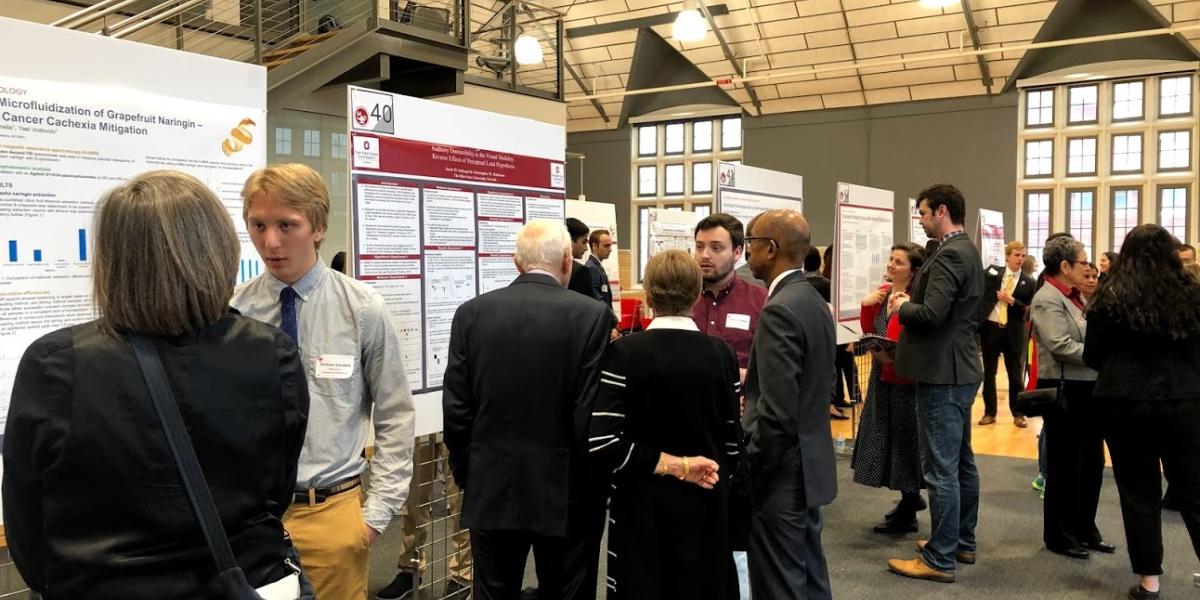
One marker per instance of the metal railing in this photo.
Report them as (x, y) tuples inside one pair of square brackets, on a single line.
[(241, 30), (272, 32), (496, 61)]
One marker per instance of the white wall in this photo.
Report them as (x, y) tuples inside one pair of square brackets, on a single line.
[(509, 103)]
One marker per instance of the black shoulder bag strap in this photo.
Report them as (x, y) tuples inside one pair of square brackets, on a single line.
[(229, 575)]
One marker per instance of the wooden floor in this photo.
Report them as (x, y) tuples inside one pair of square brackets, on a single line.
[(1001, 438)]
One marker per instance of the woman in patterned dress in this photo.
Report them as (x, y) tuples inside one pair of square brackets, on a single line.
[(887, 452)]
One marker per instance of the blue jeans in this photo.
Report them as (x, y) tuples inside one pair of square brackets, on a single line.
[(944, 420)]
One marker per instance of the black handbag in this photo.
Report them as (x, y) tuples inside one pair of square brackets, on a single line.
[(1040, 402), (230, 577)]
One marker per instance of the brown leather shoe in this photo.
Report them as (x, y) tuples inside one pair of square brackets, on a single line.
[(987, 420), (962, 556), (1020, 422), (917, 569)]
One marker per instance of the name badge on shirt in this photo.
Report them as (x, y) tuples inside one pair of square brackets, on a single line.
[(335, 366), (736, 321)]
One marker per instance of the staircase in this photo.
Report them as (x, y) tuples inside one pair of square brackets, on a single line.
[(306, 45), (292, 47)]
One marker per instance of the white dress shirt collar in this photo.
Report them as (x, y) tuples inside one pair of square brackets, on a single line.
[(775, 282), (676, 322)]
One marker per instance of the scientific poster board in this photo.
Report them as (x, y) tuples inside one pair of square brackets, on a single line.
[(77, 121), (862, 243), (916, 233), (671, 229), (602, 215), (437, 194), (990, 236), (744, 192)]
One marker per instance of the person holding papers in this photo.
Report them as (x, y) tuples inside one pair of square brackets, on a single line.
[(887, 452)]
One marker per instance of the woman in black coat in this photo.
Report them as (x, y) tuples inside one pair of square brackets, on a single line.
[(1143, 337), (664, 425), (94, 505)]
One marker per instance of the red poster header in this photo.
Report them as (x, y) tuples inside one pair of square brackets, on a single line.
[(408, 157)]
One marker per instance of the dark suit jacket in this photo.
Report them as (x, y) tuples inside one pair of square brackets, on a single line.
[(993, 278), (600, 289), (523, 373), (93, 503), (938, 344), (788, 386), (581, 280)]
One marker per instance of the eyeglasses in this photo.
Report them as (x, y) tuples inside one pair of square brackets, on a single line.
[(752, 238)]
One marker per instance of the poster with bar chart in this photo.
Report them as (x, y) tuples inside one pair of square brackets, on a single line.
[(77, 122)]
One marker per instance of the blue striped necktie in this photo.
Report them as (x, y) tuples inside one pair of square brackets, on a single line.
[(287, 302)]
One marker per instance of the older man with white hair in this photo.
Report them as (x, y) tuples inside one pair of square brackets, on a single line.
[(523, 372)]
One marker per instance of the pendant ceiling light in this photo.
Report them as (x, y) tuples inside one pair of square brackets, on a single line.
[(528, 50), (689, 26)]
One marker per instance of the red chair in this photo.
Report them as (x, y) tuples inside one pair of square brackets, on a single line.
[(631, 316)]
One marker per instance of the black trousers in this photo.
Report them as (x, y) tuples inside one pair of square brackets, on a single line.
[(786, 559), (1075, 469), (566, 566), (847, 370), (1140, 434), (995, 342)]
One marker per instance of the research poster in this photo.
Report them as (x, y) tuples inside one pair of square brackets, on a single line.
[(437, 195), (78, 121), (744, 192), (916, 233), (862, 244), (990, 235), (671, 229)]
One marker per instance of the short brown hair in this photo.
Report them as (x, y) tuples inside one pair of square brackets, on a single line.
[(672, 283), (1013, 246), (728, 222), (166, 255), (594, 238), (297, 185)]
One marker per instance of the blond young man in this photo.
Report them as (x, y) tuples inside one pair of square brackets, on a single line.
[(351, 355), (1007, 294)]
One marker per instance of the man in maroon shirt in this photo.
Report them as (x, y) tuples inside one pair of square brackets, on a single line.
[(728, 307)]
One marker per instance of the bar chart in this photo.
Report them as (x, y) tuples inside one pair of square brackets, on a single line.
[(249, 268), (79, 253)]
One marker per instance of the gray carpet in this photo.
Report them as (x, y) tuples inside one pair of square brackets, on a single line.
[(1012, 562)]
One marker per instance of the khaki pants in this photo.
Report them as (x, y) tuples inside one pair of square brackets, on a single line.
[(415, 518), (333, 550)]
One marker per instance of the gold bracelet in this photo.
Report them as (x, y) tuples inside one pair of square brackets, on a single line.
[(686, 469)]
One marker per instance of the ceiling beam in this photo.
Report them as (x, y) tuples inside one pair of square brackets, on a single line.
[(579, 81), (862, 87), (984, 72), (663, 19), (571, 69), (712, 23)]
